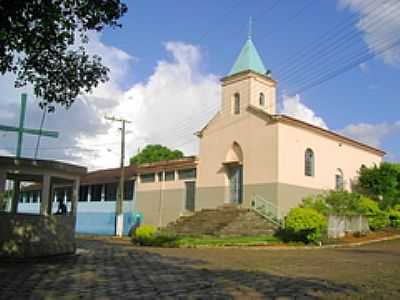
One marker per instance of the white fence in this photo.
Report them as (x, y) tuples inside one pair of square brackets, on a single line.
[(339, 226)]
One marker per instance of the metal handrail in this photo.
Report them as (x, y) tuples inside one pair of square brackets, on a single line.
[(266, 209)]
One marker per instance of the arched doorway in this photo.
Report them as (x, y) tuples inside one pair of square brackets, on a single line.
[(234, 170)]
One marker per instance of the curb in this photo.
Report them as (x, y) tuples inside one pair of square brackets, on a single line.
[(333, 246), (271, 246)]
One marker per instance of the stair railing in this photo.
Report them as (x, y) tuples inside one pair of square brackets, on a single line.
[(266, 209)]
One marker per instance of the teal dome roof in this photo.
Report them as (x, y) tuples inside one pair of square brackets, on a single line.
[(248, 59)]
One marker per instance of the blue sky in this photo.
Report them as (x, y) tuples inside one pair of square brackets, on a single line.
[(279, 31), (199, 41)]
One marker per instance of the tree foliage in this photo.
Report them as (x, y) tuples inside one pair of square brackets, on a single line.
[(346, 203), (155, 153), (394, 216), (382, 183), (39, 43), (333, 202)]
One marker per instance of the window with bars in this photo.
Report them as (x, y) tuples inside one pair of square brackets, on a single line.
[(169, 175), (83, 193), (111, 191), (129, 190), (96, 192), (146, 178), (309, 163), (187, 174)]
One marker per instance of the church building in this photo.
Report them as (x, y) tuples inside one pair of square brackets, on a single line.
[(250, 153)]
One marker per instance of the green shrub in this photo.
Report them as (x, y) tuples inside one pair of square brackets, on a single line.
[(394, 216), (147, 235), (145, 231), (305, 224), (144, 234), (367, 206), (318, 203), (334, 202), (342, 202), (379, 221)]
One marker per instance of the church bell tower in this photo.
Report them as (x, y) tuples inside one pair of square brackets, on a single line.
[(248, 83)]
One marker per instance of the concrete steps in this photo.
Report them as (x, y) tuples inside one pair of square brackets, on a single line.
[(227, 220)]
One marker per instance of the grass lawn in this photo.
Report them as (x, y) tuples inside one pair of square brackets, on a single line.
[(173, 241), (227, 241)]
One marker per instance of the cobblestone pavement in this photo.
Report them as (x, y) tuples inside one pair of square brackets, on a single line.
[(104, 270)]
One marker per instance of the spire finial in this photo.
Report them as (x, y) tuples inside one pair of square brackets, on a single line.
[(250, 28)]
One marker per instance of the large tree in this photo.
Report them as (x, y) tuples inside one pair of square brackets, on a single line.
[(42, 42), (154, 153), (381, 183)]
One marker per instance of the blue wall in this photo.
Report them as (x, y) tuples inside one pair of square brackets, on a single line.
[(92, 217)]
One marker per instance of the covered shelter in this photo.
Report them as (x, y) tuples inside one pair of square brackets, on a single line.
[(49, 231)]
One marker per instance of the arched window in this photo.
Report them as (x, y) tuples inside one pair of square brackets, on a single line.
[(309, 161), (339, 180), (262, 99), (236, 104)]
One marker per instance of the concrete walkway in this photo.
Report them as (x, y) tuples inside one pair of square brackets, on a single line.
[(104, 270)]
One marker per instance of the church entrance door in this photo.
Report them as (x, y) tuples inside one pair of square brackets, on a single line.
[(190, 195), (236, 184)]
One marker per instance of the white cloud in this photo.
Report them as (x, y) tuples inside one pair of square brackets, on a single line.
[(380, 23), (166, 108), (84, 118), (371, 134), (292, 106)]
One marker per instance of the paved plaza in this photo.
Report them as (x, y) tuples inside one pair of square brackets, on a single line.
[(105, 269)]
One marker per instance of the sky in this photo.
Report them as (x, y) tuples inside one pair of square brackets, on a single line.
[(337, 64)]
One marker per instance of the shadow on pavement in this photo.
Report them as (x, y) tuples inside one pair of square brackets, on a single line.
[(113, 272)]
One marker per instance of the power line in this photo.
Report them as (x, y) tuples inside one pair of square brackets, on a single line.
[(310, 55), (344, 42), (344, 59), (287, 62), (348, 67)]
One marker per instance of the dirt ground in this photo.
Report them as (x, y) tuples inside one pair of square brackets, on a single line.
[(370, 272)]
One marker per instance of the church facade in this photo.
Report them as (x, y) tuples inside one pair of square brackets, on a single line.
[(248, 151)]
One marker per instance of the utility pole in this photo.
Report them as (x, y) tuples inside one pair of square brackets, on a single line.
[(119, 214)]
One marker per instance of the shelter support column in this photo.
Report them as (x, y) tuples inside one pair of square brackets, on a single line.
[(15, 197), (45, 205), (75, 196), (3, 178)]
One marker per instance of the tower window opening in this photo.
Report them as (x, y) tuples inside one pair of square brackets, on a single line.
[(236, 104), (262, 99)]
